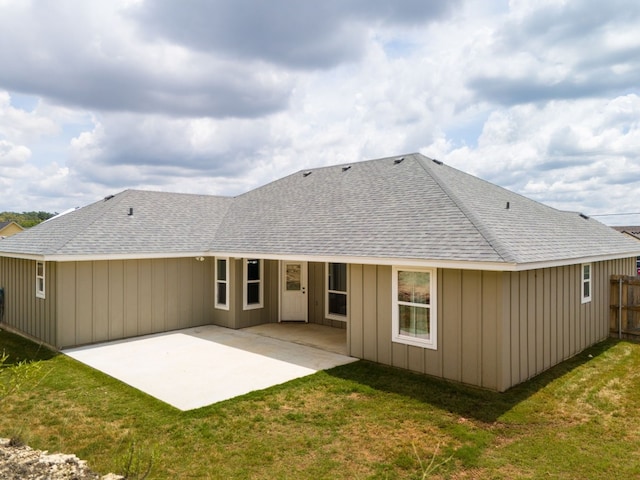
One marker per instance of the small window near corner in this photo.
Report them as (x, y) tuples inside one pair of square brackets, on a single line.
[(222, 283), (586, 282), (40, 279)]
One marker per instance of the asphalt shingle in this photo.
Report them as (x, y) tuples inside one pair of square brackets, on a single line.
[(416, 208)]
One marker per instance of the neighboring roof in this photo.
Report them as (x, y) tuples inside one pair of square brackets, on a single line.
[(4, 225), (9, 228), (631, 231), (409, 207)]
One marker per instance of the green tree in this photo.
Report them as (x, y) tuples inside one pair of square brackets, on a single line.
[(26, 219)]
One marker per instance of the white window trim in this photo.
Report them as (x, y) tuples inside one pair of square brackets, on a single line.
[(222, 306), (587, 298), (334, 316), (245, 282), (396, 337), (40, 292)]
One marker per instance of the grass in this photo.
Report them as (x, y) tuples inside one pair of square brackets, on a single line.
[(578, 420)]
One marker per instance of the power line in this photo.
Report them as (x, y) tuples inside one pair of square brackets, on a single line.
[(614, 214)]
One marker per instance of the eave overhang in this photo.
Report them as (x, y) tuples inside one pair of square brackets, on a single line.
[(415, 262)]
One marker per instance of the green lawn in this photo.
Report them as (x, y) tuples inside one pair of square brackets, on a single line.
[(578, 420)]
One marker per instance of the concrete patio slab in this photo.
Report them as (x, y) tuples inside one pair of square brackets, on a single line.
[(200, 366)]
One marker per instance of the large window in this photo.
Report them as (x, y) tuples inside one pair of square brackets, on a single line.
[(40, 280), (252, 289), (586, 282), (336, 304), (414, 309), (222, 283)]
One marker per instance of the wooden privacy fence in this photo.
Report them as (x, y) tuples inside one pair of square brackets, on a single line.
[(624, 320)]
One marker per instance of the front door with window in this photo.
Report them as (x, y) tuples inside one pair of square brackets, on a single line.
[(293, 298)]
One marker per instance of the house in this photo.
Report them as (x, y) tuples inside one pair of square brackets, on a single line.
[(9, 228), (427, 268), (633, 232)]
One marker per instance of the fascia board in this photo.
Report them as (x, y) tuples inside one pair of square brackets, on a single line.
[(390, 261), (575, 261), (419, 262), (123, 256), (22, 256), (405, 262)]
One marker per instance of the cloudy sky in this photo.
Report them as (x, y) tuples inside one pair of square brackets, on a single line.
[(220, 96)]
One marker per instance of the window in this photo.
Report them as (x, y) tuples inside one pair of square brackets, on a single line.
[(252, 291), (40, 279), (222, 282), (414, 307), (336, 303), (586, 282)]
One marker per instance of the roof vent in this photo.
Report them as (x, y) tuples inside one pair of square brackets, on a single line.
[(306, 174), (398, 160), (108, 197), (508, 205), (344, 169), (584, 216), (130, 211), (437, 162)]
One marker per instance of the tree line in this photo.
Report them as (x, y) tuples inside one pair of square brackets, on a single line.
[(26, 219)]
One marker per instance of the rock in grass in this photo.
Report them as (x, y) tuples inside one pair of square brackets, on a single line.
[(21, 462)]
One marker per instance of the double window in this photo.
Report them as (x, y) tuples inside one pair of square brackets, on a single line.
[(586, 282), (40, 279), (414, 309), (222, 283), (252, 285), (336, 302)]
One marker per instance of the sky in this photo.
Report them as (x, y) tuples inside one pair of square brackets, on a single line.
[(221, 96)]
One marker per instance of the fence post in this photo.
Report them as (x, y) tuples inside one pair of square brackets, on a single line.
[(620, 308)]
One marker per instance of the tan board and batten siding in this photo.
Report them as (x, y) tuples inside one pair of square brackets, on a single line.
[(127, 298), (495, 329), (24, 312)]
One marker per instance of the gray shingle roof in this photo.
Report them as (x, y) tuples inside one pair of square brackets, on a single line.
[(373, 209), (414, 209), (161, 223)]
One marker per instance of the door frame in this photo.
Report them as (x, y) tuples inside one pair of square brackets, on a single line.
[(281, 290)]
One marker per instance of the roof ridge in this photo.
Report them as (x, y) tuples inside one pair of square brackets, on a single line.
[(496, 245), (183, 194)]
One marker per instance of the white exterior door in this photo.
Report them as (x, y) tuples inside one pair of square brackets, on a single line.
[(293, 287)]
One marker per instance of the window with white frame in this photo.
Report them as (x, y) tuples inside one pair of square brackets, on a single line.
[(40, 279), (586, 282), (336, 301), (414, 307), (222, 283), (252, 288)]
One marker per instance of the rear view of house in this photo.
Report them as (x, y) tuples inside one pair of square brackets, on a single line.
[(423, 266)]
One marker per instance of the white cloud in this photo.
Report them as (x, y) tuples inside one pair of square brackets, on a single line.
[(13, 155), (540, 97), (562, 153), (17, 125)]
